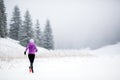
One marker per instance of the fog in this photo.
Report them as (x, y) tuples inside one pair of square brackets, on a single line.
[(76, 24)]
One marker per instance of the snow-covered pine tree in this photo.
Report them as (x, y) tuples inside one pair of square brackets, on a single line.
[(2, 34), (48, 42), (16, 23), (3, 20), (26, 31), (22, 36), (38, 34)]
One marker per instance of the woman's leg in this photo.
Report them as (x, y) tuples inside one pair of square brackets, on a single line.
[(31, 59)]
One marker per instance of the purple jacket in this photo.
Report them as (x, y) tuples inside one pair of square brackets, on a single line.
[(31, 47)]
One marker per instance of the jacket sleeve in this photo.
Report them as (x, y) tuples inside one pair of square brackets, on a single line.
[(36, 49)]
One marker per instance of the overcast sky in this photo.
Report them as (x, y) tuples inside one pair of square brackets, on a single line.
[(75, 23)]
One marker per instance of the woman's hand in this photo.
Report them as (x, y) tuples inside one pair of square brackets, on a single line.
[(25, 53)]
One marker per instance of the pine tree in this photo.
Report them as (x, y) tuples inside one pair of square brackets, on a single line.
[(2, 34), (38, 34), (16, 23), (3, 24), (48, 42), (26, 32)]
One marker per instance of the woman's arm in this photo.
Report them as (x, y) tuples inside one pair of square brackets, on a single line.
[(36, 48), (27, 48)]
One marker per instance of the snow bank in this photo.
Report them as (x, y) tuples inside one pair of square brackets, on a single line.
[(10, 48), (110, 49), (67, 53)]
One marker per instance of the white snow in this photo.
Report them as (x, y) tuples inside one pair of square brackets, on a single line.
[(100, 64), (10, 48), (110, 49)]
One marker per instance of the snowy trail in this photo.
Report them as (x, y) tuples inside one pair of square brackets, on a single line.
[(66, 68), (100, 64)]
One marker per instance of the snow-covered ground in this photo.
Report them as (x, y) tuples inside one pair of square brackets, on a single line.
[(100, 64), (11, 49)]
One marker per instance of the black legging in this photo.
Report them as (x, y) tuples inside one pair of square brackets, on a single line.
[(31, 59)]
